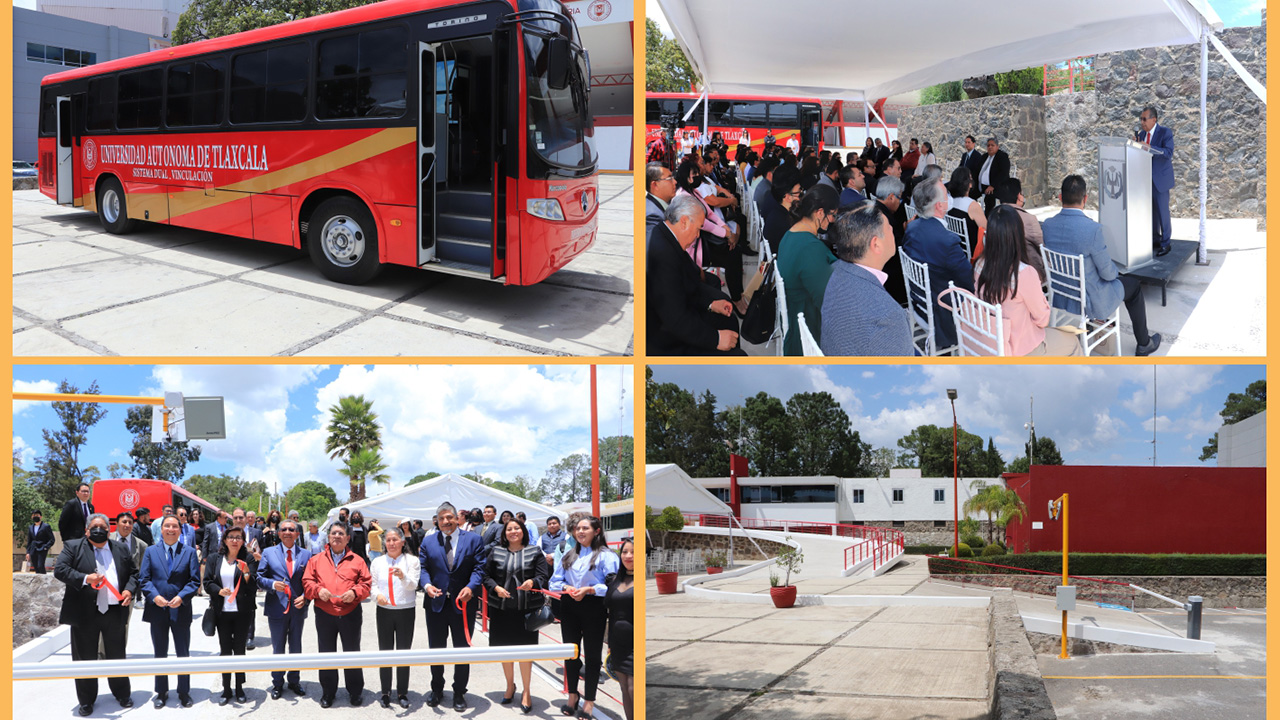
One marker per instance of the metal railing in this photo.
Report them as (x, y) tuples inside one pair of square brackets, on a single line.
[(1075, 75), (878, 543)]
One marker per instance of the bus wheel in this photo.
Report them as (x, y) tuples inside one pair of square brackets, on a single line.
[(343, 241), (112, 210)]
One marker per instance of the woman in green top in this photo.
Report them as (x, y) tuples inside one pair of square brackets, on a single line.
[(805, 263)]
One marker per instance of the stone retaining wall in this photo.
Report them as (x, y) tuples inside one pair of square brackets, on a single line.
[(26, 183), (1217, 591), (1167, 78), (1018, 690), (922, 532), (37, 599), (743, 549)]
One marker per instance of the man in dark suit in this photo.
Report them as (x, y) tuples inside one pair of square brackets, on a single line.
[(858, 316), (452, 561), (929, 241), (169, 579), (853, 184), (488, 530), (882, 151), (73, 520), (39, 540), (973, 158), (101, 580), (993, 173), (1160, 139), (280, 574), (142, 528), (124, 534), (660, 187), (213, 535), (686, 316)]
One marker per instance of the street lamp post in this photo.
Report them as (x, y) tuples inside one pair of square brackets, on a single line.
[(955, 467)]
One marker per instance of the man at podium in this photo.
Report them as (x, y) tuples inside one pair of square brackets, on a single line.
[(1160, 139)]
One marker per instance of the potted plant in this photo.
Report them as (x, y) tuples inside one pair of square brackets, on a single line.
[(715, 560), (671, 520), (784, 593)]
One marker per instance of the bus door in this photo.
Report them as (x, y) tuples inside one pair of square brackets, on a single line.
[(428, 169), (65, 155), (811, 124)]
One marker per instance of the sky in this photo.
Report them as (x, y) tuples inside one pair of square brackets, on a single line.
[(1097, 414), (498, 420)]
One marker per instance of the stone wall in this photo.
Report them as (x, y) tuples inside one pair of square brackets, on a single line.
[(743, 549), (1167, 78), (1217, 591), (37, 599), (922, 532)]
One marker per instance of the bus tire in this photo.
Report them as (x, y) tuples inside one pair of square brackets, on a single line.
[(113, 208), (343, 241)]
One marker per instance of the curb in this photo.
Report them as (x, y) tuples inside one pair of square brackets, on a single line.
[(1018, 689)]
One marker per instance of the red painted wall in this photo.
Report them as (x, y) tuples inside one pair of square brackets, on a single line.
[(1143, 509)]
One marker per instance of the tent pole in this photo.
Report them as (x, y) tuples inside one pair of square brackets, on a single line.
[(1202, 253)]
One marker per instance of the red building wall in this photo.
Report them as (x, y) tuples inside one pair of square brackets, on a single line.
[(1143, 509)]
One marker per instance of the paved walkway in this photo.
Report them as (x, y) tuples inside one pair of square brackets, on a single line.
[(38, 697), (171, 291), (1219, 309)]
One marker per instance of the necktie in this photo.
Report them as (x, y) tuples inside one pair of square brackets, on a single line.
[(85, 509), (288, 559), (448, 552), (171, 559), (1148, 140), (102, 593)]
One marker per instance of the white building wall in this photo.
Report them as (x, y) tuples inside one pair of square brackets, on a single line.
[(153, 17), (811, 512), (1244, 444)]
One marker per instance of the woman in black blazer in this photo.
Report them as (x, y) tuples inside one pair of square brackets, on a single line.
[(229, 578), (512, 570)]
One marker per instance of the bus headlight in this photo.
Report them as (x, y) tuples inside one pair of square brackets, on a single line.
[(548, 209)]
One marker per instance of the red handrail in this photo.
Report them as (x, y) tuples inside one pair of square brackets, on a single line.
[(877, 543)]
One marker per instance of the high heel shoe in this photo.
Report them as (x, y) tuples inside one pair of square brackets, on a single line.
[(526, 709), (570, 710), (509, 696)]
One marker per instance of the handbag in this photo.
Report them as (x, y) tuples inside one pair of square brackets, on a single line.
[(535, 620), (209, 623), (762, 312)]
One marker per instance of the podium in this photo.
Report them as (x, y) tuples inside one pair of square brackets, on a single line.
[(1124, 200)]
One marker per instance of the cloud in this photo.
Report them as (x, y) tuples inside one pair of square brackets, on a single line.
[(867, 374), (26, 454), (39, 386), (1170, 387)]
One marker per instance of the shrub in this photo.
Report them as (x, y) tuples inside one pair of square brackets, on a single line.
[(965, 551), (1103, 564), (973, 541), (992, 549)]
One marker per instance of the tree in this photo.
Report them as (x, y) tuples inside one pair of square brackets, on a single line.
[(26, 499), (569, 480), (423, 478), (312, 499), (995, 463), (930, 448), (988, 500), (684, 430), (58, 471), (880, 461), (823, 443), (205, 19), (1046, 454), (617, 467), (666, 68), (1027, 81), (1239, 406), (157, 461), (223, 490), (759, 431), (942, 93), (353, 426), (363, 466)]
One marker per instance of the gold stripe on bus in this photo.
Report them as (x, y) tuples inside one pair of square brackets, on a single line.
[(187, 200)]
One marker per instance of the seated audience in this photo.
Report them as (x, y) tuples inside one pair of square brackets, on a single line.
[(929, 241), (783, 197), (1010, 193), (804, 262), (858, 316), (660, 187)]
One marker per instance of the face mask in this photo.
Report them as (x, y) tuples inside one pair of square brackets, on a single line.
[(35, 518), (98, 534)]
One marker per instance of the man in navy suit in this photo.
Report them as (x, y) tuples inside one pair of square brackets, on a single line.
[(280, 574), (929, 241), (170, 577), (39, 540), (452, 560), (75, 514), (859, 317), (1074, 233), (660, 187), (95, 613), (1160, 139)]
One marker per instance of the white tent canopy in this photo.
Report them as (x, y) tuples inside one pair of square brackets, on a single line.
[(669, 485), (802, 48), (419, 502)]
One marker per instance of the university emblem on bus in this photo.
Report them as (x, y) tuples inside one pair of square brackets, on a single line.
[(90, 154), (129, 498), (599, 10), (1114, 182)]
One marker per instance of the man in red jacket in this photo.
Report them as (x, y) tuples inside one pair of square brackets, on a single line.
[(338, 580)]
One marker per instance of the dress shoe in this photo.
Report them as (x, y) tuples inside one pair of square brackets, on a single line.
[(357, 700), (746, 250), (385, 701), (1164, 251), (434, 698), (125, 702), (404, 701), (1153, 343), (276, 692), (460, 702), (85, 710), (249, 645), (160, 700), (184, 699), (240, 696), (225, 699), (296, 688), (507, 699), (326, 702), (526, 709)]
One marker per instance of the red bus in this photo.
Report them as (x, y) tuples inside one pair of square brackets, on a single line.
[(452, 136), (116, 495), (746, 119)]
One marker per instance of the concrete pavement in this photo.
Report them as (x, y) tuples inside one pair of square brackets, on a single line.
[(38, 697), (171, 291)]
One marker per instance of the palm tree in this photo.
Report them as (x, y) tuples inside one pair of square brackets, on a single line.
[(353, 426), (987, 500), (364, 465), (1011, 508)]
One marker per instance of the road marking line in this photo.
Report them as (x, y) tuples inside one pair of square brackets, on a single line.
[(1155, 677)]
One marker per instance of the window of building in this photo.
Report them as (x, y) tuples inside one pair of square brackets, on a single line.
[(138, 99), (859, 496), (898, 494), (362, 75), (940, 523), (721, 493), (899, 523), (788, 494), (270, 85), (53, 55), (195, 93), (939, 495)]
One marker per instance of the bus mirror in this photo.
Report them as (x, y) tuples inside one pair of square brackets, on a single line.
[(559, 61)]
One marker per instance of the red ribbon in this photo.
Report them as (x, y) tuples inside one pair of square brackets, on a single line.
[(466, 629), (110, 587), (391, 589)]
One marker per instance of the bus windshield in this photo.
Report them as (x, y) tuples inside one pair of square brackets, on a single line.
[(561, 129)]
